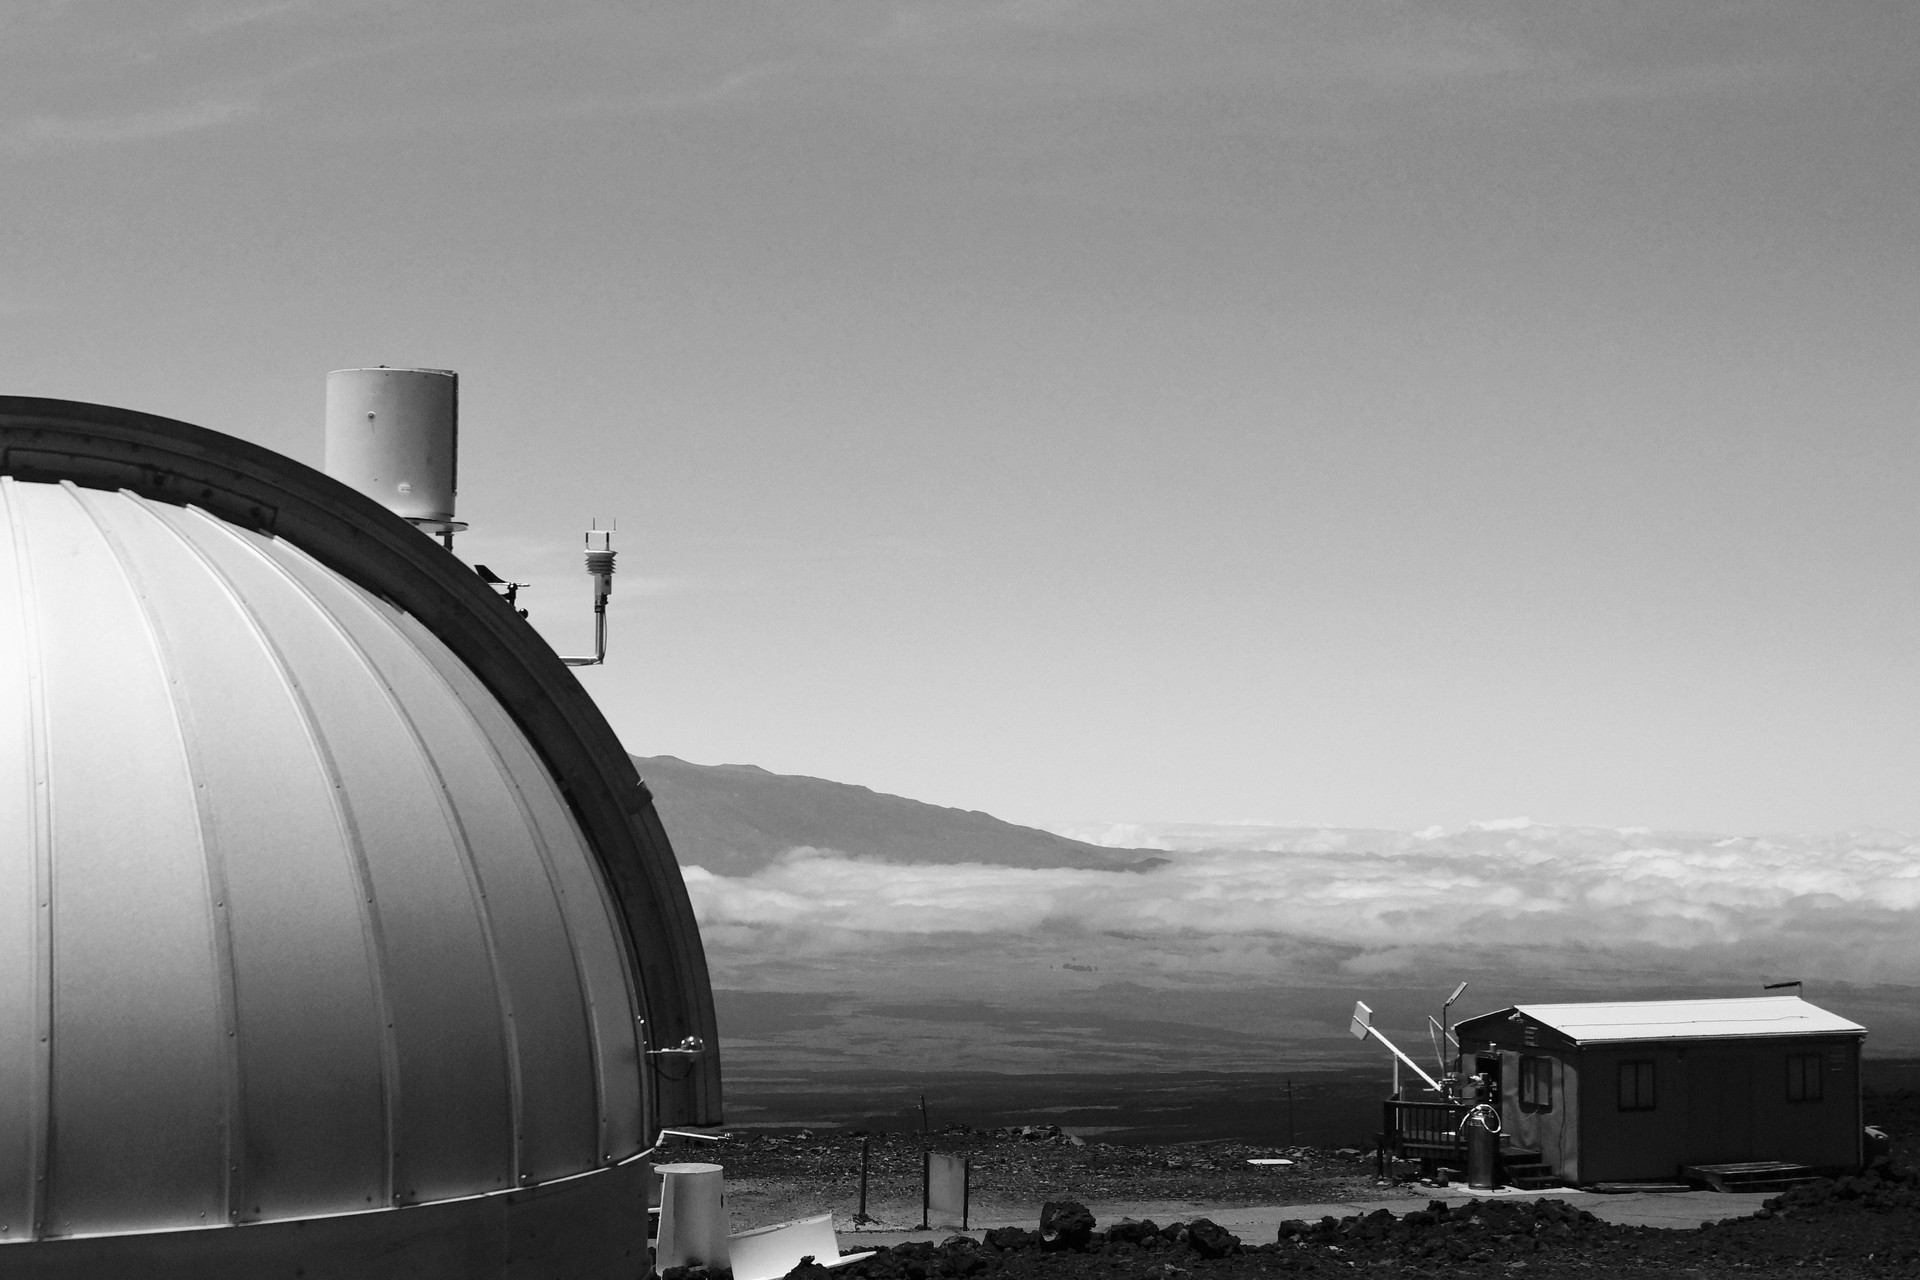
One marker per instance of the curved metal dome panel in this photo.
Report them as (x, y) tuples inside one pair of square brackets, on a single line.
[(297, 922)]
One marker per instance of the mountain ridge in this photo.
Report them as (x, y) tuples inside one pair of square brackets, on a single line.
[(734, 819)]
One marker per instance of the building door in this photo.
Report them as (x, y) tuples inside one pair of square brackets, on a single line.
[(1719, 1107), (1488, 1065)]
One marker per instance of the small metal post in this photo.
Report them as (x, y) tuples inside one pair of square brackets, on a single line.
[(926, 1167), (866, 1153), (966, 1191)]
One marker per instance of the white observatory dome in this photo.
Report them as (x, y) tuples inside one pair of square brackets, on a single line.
[(338, 937), (296, 922)]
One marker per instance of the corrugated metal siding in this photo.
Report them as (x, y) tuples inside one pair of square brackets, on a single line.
[(321, 933)]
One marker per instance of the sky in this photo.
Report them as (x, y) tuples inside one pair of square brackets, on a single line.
[(1360, 413)]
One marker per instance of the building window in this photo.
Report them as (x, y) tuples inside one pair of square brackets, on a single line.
[(1536, 1084), (1636, 1086), (1803, 1077)]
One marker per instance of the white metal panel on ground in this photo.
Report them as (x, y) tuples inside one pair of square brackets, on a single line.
[(325, 934), (1689, 1019)]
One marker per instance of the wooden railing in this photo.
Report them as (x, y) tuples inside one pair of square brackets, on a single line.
[(1422, 1127)]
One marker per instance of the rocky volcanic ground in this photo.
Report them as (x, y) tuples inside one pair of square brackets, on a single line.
[(771, 1178), (1865, 1226)]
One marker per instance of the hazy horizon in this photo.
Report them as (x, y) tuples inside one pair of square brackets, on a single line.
[(962, 949)]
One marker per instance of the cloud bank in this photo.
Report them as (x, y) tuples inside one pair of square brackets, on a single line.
[(1325, 902), (43, 134)]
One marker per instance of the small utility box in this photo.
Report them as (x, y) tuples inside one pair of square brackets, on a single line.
[(946, 1186)]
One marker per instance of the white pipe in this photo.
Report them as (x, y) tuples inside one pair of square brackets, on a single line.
[(1431, 1082)]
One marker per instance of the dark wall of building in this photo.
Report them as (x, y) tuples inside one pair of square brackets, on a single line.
[(1717, 1102), (1819, 1127), (1623, 1145)]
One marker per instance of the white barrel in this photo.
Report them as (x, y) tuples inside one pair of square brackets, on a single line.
[(393, 434), (693, 1217)]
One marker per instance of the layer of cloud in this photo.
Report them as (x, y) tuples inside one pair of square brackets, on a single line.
[(43, 134), (1846, 907)]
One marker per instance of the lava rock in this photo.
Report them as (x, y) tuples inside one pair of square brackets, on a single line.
[(1130, 1232), (1065, 1224), (1878, 1190), (1210, 1240), (1012, 1238)]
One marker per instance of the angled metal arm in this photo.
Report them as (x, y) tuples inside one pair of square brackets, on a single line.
[(1362, 1027)]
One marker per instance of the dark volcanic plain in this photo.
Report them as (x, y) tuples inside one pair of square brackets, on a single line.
[(1864, 1226)]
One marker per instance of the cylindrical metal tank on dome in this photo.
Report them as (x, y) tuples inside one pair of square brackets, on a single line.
[(337, 936), (394, 434)]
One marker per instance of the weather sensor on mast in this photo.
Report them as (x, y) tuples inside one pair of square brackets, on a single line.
[(600, 566), (394, 434)]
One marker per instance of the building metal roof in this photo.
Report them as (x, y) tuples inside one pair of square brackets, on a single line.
[(1743, 1016)]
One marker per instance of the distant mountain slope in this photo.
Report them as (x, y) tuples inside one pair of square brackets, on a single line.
[(733, 819)]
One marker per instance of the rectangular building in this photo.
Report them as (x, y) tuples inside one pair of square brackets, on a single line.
[(1634, 1090)]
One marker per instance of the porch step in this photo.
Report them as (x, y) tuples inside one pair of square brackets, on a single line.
[(1529, 1175), (1750, 1175)]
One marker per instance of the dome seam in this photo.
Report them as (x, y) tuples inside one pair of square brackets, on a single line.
[(41, 1120), (212, 858), (373, 931), (562, 900), (456, 827)]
